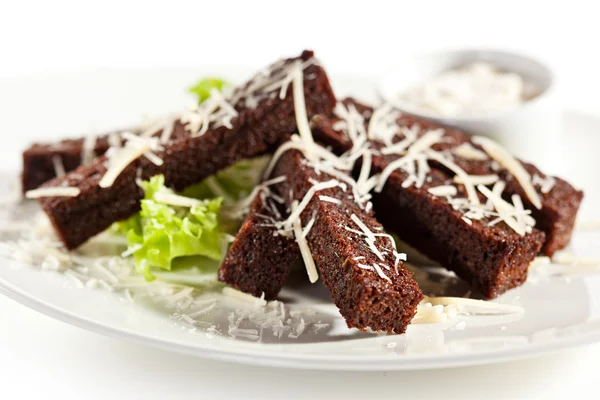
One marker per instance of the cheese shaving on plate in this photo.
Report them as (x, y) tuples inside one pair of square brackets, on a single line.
[(244, 297)]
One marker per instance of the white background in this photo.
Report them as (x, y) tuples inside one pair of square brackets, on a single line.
[(42, 358)]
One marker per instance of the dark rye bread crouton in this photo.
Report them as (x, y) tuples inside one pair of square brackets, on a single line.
[(366, 299), (492, 258), (257, 129), (39, 159), (259, 259), (560, 201)]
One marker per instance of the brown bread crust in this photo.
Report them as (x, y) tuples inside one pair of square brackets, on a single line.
[(38, 160), (259, 260), (560, 205), (492, 258), (187, 160), (365, 299)]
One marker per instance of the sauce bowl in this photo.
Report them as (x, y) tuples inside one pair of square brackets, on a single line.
[(531, 130)]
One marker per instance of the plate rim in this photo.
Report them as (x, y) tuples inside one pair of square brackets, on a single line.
[(252, 355), (297, 360)]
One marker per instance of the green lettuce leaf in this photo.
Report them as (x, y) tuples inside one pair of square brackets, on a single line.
[(233, 183), (202, 88), (160, 234)]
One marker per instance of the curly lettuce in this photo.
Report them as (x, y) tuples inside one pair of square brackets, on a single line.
[(163, 235), (203, 88), (233, 183)]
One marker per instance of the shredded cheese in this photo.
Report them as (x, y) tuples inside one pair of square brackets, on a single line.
[(467, 151), (59, 168), (426, 141), (87, 151), (119, 162), (374, 249), (479, 179), (243, 297), (381, 273), (114, 140), (330, 199), (546, 184), (176, 200), (295, 215), (307, 257), (307, 150), (471, 193), (167, 132), (446, 190), (368, 233), (309, 226), (154, 159), (53, 192), (300, 105), (504, 210), (365, 169), (513, 166)]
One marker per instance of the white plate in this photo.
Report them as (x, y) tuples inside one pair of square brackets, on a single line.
[(560, 311)]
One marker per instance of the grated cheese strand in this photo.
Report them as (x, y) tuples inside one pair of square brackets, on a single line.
[(504, 211), (87, 153), (479, 179), (370, 235), (330, 199), (445, 190), (295, 215), (426, 141), (309, 226), (153, 158), (59, 167), (306, 149), (167, 132), (381, 273), (389, 169), (365, 170), (119, 162), (471, 193), (307, 257), (172, 199), (53, 192), (300, 105), (504, 158), (546, 184), (243, 297), (466, 150), (374, 249), (114, 140)]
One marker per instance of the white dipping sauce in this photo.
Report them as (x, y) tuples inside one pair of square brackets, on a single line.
[(475, 89)]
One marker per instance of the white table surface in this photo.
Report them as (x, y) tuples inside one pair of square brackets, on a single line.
[(44, 358)]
